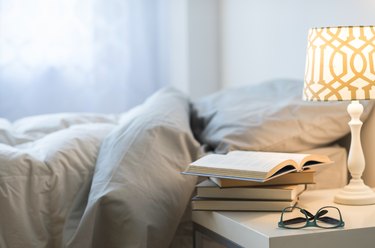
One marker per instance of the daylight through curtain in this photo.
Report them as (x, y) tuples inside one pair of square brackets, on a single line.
[(78, 55)]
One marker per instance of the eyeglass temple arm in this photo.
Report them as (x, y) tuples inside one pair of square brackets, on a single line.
[(299, 219), (311, 217)]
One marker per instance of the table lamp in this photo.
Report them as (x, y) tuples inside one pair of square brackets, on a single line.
[(340, 65)]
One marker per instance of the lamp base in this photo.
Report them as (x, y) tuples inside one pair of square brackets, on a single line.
[(355, 193)]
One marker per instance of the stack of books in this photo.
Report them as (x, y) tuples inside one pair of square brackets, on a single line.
[(252, 181)]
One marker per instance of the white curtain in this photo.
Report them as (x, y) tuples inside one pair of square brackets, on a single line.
[(79, 55)]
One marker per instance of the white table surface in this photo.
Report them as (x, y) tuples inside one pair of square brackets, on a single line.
[(259, 229)]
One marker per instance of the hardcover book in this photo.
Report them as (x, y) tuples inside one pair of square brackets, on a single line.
[(256, 166), (208, 189), (303, 177), (239, 205)]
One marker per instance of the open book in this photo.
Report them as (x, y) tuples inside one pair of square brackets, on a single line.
[(254, 166)]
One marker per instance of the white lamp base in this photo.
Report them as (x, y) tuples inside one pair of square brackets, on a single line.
[(355, 193)]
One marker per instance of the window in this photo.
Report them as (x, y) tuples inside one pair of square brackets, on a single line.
[(78, 55)]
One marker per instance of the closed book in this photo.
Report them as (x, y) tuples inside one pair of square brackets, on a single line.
[(303, 177), (208, 189), (251, 165), (240, 205)]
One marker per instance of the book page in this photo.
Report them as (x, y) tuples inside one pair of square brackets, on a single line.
[(274, 158), (245, 161)]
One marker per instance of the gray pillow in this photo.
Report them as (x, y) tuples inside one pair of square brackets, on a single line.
[(270, 117), (138, 194)]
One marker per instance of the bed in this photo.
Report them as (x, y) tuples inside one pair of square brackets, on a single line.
[(114, 180)]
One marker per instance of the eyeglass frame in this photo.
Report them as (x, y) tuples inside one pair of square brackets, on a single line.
[(310, 223)]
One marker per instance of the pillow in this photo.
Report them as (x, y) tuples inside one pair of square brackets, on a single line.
[(269, 117), (138, 194)]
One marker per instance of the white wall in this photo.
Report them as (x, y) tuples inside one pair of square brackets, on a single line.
[(194, 46), (177, 35), (204, 46), (215, 44), (265, 39)]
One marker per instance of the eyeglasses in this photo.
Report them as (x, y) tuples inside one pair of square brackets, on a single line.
[(326, 217)]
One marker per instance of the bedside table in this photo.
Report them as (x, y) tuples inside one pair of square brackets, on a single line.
[(260, 230)]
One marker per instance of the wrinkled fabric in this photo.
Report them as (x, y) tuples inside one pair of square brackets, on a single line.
[(270, 116), (138, 194), (91, 180), (40, 179)]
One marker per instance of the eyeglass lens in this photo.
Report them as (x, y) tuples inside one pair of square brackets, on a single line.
[(328, 217), (294, 219)]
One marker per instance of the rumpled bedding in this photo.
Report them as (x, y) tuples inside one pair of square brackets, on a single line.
[(107, 181), (90, 180)]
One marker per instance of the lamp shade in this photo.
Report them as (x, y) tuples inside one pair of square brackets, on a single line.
[(340, 64)]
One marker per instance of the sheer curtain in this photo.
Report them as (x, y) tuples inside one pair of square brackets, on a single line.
[(79, 55)]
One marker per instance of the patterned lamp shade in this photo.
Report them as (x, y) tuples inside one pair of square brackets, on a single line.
[(340, 64)]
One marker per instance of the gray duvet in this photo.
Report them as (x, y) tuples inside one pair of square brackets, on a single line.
[(81, 180)]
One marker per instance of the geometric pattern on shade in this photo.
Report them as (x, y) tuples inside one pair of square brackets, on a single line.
[(340, 64)]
